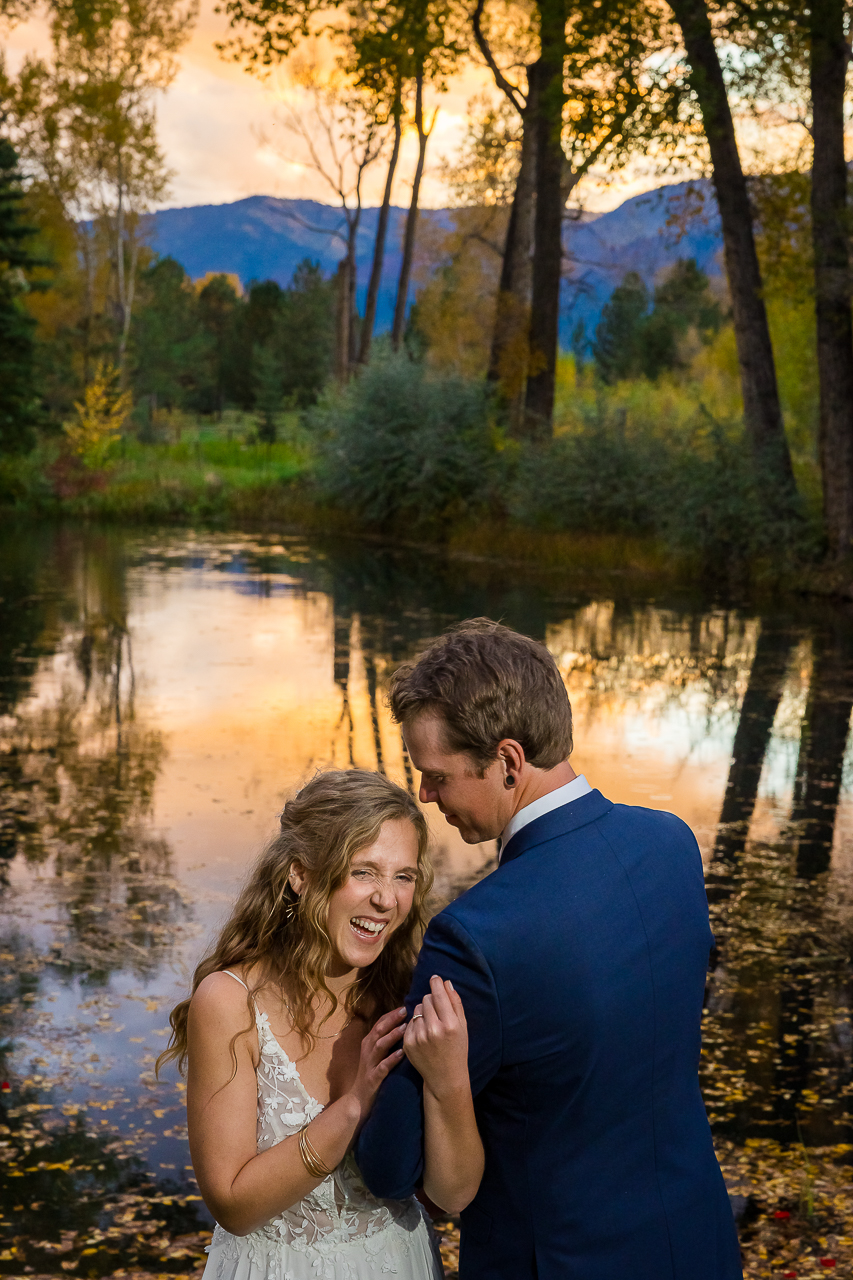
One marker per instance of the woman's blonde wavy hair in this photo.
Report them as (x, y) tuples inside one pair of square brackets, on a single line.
[(280, 936)]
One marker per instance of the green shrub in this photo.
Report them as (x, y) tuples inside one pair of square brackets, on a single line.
[(695, 488), (402, 443)]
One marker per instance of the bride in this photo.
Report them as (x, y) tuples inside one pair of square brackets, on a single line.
[(295, 1020)]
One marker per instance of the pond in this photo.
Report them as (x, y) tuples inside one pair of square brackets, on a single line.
[(160, 697)]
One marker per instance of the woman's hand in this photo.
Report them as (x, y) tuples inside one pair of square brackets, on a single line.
[(436, 1040), (377, 1058)]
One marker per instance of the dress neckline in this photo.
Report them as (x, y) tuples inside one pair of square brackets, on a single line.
[(263, 1022)]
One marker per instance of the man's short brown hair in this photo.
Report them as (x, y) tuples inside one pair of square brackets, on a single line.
[(488, 682)]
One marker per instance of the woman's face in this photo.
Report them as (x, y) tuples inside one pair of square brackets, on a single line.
[(376, 897)]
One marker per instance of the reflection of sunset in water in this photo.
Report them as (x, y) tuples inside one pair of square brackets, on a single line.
[(160, 698)]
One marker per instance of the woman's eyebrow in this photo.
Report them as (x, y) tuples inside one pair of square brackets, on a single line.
[(374, 866)]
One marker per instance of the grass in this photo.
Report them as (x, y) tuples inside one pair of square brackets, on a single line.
[(641, 477), (208, 475)]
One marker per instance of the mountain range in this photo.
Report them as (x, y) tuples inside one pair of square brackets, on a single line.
[(266, 237)]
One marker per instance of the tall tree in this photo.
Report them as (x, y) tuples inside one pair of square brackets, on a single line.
[(829, 59), (762, 408), (377, 264), (405, 43), (549, 95), (84, 123), (603, 73), (341, 136), (18, 396), (794, 75), (412, 214)]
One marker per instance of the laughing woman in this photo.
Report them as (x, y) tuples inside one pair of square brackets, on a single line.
[(295, 1020)]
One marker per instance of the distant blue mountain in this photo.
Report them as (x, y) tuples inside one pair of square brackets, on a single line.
[(265, 238), (646, 234)]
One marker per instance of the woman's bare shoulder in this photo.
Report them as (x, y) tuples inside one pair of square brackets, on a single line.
[(218, 998)]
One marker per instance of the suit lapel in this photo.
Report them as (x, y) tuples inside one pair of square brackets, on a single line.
[(569, 817)]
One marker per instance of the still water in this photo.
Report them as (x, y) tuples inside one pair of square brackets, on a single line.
[(161, 696)]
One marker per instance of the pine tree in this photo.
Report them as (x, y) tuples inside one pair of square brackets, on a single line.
[(618, 337), (19, 400)]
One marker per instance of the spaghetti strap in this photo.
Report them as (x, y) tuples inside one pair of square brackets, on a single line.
[(234, 976)]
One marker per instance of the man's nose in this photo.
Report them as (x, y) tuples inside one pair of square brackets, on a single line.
[(427, 794)]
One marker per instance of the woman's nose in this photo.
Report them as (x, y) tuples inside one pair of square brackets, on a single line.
[(383, 896)]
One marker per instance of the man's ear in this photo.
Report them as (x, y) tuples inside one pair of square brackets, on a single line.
[(511, 760), (297, 877)]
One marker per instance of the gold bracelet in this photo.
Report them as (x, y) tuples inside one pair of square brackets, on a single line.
[(310, 1158)]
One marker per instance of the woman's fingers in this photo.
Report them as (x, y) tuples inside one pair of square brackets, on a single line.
[(388, 1020), (454, 996), (391, 1061), (384, 1043), (440, 999)]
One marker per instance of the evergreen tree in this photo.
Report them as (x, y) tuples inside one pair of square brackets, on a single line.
[(19, 400), (633, 342), (618, 338), (267, 381), (169, 344), (683, 302), (221, 312), (308, 333)]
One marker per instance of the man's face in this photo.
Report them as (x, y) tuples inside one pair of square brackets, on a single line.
[(479, 808)]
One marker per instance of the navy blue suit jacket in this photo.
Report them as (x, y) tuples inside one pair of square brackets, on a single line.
[(581, 963)]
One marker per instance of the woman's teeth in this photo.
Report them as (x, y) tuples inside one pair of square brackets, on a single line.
[(373, 927)]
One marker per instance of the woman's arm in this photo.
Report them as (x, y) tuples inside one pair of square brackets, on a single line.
[(241, 1187), (436, 1043)]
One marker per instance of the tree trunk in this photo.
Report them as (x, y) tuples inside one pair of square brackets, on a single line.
[(343, 313), (828, 70), (379, 246), (411, 219), (508, 360), (761, 407), (548, 222)]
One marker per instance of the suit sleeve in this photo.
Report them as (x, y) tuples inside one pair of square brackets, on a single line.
[(389, 1151)]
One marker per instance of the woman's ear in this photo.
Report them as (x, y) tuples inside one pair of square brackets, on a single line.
[(297, 877)]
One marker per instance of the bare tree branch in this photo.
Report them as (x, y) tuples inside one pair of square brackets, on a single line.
[(512, 91)]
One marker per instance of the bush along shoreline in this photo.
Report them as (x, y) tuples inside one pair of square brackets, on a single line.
[(408, 453)]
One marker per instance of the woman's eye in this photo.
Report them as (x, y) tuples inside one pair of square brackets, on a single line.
[(361, 874)]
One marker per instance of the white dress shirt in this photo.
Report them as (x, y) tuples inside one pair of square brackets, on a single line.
[(545, 804)]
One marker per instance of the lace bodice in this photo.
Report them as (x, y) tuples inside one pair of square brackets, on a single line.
[(338, 1216)]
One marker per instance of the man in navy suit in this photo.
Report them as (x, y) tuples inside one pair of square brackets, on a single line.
[(581, 965)]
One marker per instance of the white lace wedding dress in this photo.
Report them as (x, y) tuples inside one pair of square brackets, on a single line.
[(338, 1232)]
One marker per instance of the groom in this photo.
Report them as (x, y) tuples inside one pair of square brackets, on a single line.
[(581, 965)]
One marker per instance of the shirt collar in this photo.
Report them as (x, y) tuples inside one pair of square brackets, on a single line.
[(545, 804)]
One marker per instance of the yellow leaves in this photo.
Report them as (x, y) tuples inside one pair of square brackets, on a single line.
[(99, 416)]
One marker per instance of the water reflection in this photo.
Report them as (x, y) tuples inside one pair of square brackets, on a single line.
[(159, 697)]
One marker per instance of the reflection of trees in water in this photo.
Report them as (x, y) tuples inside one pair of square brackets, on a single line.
[(778, 1048), (77, 774), (758, 710), (76, 1196), (613, 653)]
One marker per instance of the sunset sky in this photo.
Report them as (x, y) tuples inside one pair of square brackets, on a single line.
[(213, 117)]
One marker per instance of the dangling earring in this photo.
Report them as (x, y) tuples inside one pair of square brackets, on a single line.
[(292, 907)]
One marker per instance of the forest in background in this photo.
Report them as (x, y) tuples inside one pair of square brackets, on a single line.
[(715, 420)]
